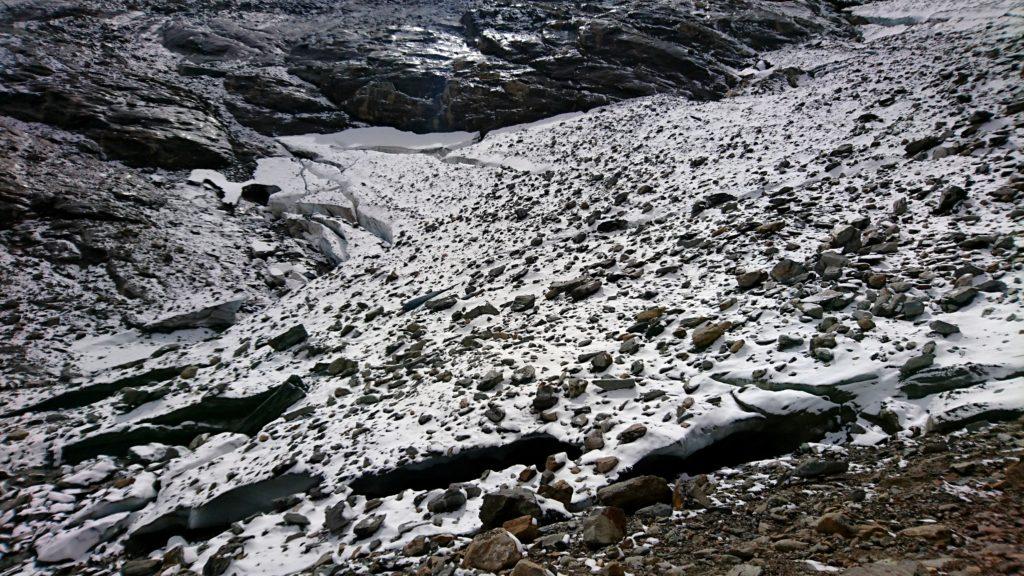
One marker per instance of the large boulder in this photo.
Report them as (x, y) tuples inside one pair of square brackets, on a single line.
[(493, 551), (635, 493)]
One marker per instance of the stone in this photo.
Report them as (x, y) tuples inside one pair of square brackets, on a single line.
[(706, 334), (524, 528), (949, 200), (559, 490), (631, 434), (295, 519), (788, 271), (605, 464), (368, 526), (507, 504), (490, 380), (545, 398), (817, 467), (745, 570), (529, 568), (748, 280), (938, 533), (485, 309), (524, 375), (604, 527), (523, 302), (835, 523), (887, 568), (216, 316), (289, 338), (610, 384), (450, 500), (943, 328), (635, 493), (334, 517), (492, 551), (141, 567)]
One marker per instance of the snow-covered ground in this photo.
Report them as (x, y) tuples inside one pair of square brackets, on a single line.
[(843, 342)]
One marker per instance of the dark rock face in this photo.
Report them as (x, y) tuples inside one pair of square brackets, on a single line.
[(195, 85)]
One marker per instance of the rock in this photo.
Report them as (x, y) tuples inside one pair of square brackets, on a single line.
[(523, 303), (289, 338), (451, 500), (835, 523), (216, 316), (915, 147), (342, 367), (524, 375), (559, 490), (295, 519), (943, 328), (490, 381), (524, 528), (788, 271), (938, 533), (886, 568), (545, 398), (706, 334), (485, 309), (635, 493), (141, 567), (748, 280), (957, 298), (439, 304), (605, 464), (508, 504), (601, 361), (631, 434), (610, 384), (585, 290), (368, 526), (744, 570), (492, 551), (334, 517), (817, 467), (529, 568), (604, 527), (950, 198)]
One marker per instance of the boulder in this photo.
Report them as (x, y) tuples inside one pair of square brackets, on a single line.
[(635, 493), (492, 551)]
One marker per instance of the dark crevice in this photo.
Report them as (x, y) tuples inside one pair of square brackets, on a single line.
[(87, 395), (768, 437), (210, 415), (441, 471), (215, 516)]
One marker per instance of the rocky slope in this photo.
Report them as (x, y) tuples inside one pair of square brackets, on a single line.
[(564, 341)]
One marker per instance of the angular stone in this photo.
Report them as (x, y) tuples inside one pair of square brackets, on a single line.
[(635, 493)]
